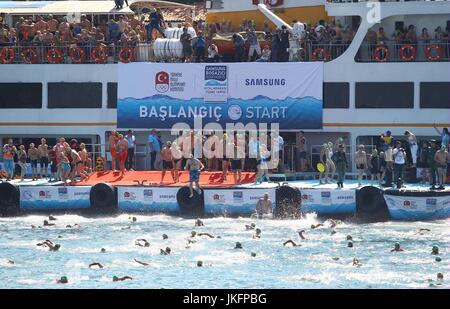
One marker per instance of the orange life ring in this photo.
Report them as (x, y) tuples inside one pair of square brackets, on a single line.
[(383, 56), (77, 54), (408, 52), (7, 55), (321, 54), (54, 56), (429, 52), (125, 55), (30, 55), (99, 55)]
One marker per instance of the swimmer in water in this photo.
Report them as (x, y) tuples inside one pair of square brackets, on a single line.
[(349, 237), (206, 234), (335, 259), (46, 223), (165, 252), (126, 228), (164, 236), (102, 250), (142, 243), (238, 245), (424, 230), (50, 245), (199, 263), (51, 218), (68, 226), (316, 226), (435, 250), (253, 254), (62, 280), (257, 234), (142, 263), (300, 233), (115, 278), (99, 265), (250, 227), (264, 206), (350, 244), (397, 248), (199, 222), (291, 242), (332, 223), (193, 234), (356, 262)]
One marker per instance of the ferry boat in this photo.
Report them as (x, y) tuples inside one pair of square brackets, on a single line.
[(363, 95)]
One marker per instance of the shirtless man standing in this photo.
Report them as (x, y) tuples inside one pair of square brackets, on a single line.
[(264, 205), (442, 158), (122, 147), (76, 165), (168, 162), (84, 157), (112, 148), (194, 166), (43, 155)]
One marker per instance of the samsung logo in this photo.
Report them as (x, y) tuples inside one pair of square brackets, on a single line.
[(265, 82), (166, 196), (345, 197)]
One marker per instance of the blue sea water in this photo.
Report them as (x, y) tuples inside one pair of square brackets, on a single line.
[(164, 112), (310, 265)]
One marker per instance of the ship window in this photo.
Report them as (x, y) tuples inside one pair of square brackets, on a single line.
[(384, 95), (20, 95), (74, 95), (336, 95), (435, 95), (112, 95)]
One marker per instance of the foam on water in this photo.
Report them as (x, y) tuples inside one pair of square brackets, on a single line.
[(310, 265)]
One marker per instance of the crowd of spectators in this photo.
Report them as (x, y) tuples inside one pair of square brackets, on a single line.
[(129, 30), (407, 35)]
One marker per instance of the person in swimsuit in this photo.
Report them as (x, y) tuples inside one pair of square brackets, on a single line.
[(375, 166), (22, 161), (236, 162), (76, 165), (194, 166), (442, 158), (330, 163), (122, 147), (168, 162), (53, 164), (84, 155), (227, 150), (33, 154), (58, 148), (43, 155), (264, 206), (112, 148), (324, 161), (65, 167), (361, 163), (177, 156)]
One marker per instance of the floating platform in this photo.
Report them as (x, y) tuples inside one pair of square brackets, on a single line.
[(107, 193)]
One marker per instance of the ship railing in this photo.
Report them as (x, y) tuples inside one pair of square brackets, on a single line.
[(391, 51), (99, 52)]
